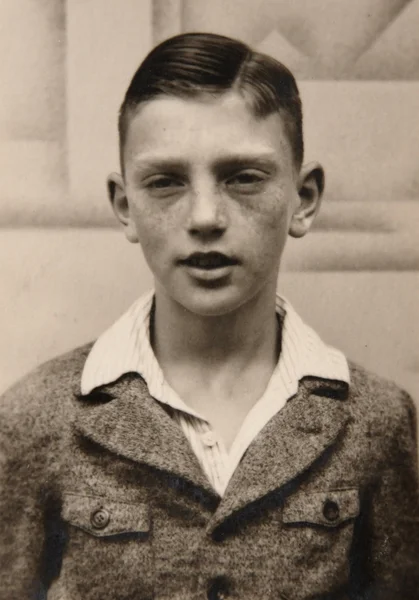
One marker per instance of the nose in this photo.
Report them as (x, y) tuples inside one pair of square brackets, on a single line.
[(207, 212)]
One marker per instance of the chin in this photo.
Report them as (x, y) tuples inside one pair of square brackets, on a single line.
[(212, 303)]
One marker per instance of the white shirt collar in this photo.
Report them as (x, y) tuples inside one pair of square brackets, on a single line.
[(125, 347)]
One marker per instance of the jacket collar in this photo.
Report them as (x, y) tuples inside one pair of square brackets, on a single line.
[(296, 438), (126, 420), (125, 347)]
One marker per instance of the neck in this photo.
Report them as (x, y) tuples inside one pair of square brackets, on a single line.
[(248, 334)]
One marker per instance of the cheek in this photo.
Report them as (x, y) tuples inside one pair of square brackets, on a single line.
[(268, 216), (149, 236), (266, 228), (151, 225), (156, 216), (158, 233)]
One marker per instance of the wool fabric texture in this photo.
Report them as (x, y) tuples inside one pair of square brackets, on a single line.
[(102, 497)]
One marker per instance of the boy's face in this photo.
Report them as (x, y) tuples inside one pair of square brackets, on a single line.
[(211, 193)]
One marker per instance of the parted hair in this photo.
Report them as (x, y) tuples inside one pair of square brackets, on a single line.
[(198, 64)]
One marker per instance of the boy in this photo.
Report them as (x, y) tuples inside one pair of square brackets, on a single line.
[(209, 444)]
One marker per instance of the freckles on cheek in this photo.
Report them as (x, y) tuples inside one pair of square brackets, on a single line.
[(270, 212), (146, 217), (155, 228), (157, 213)]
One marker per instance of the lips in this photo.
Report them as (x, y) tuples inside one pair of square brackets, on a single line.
[(209, 260)]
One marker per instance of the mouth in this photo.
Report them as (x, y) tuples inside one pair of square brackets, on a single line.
[(209, 261)]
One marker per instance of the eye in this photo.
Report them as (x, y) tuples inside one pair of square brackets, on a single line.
[(247, 181), (163, 185)]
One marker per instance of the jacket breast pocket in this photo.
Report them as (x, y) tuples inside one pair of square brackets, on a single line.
[(101, 517), (107, 541), (316, 538), (329, 509)]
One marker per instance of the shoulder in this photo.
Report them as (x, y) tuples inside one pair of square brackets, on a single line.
[(376, 393), (381, 406), (36, 417), (60, 370), (45, 393)]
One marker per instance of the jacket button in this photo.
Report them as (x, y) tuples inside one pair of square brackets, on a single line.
[(331, 510), (218, 589), (100, 518)]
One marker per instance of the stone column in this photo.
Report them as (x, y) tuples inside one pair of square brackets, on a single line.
[(32, 110), (167, 19), (106, 41)]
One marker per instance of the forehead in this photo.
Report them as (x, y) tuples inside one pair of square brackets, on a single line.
[(203, 128)]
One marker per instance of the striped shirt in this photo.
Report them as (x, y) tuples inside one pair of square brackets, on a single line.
[(125, 347)]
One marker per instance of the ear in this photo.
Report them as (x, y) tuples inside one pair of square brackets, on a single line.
[(120, 206), (310, 191)]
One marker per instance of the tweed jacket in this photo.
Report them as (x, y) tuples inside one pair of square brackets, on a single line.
[(102, 498)]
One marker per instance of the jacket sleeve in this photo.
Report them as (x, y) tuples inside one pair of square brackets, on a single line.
[(389, 536), (23, 496)]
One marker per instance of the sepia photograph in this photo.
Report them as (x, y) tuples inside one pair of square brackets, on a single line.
[(209, 307)]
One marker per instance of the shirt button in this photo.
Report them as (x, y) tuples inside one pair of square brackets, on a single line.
[(209, 439), (100, 518), (331, 510), (218, 589)]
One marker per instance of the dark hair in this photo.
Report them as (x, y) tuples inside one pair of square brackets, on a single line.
[(193, 64)]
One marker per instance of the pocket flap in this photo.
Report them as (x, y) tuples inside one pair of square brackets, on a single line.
[(102, 517), (329, 508)]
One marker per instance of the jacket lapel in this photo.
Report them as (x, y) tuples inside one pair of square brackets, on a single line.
[(126, 420), (294, 440), (123, 418)]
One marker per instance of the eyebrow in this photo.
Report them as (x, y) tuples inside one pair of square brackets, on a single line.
[(266, 160), (222, 163)]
